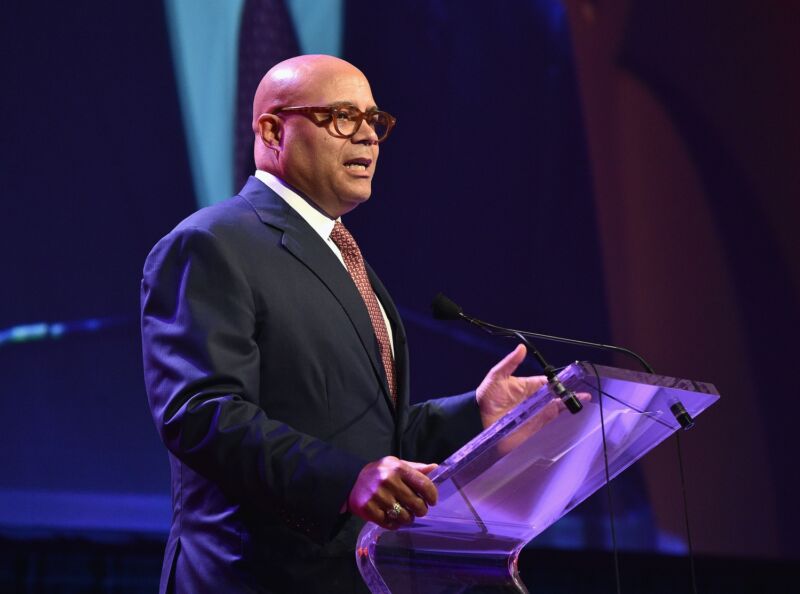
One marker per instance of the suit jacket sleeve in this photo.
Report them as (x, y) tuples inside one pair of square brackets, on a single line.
[(437, 428), (202, 371)]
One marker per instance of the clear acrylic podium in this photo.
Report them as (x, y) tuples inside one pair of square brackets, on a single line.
[(520, 476)]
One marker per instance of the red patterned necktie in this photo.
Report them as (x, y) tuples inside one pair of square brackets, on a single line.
[(355, 266)]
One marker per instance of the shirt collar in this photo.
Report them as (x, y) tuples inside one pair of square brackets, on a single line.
[(320, 222)]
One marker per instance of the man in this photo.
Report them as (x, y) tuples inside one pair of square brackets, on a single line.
[(276, 363)]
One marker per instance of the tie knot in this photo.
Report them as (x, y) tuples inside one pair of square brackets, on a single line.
[(343, 239)]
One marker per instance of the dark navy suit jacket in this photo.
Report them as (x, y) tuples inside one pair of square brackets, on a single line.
[(266, 385)]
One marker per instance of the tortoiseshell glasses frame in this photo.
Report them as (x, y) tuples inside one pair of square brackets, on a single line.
[(346, 119)]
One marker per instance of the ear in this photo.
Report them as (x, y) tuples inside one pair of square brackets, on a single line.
[(269, 128)]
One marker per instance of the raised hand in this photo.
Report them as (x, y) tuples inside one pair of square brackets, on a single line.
[(500, 391)]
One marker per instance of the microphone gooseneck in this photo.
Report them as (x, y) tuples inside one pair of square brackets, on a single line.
[(446, 309)]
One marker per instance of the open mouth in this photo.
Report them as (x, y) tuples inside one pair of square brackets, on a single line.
[(359, 164)]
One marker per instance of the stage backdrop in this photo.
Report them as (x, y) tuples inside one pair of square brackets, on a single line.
[(583, 172)]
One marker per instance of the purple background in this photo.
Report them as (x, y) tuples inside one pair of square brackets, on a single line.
[(608, 172)]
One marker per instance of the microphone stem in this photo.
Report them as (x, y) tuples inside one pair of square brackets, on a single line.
[(549, 370), (677, 409)]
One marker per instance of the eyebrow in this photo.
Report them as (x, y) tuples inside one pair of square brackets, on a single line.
[(351, 104)]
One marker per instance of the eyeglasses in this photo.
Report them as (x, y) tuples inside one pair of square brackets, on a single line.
[(346, 119)]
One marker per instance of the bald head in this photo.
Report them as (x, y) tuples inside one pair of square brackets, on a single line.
[(334, 173), (297, 79)]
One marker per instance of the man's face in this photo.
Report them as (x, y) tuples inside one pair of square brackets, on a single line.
[(336, 173)]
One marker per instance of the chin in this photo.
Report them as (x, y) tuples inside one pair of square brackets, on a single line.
[(360, 193), (351, 201)]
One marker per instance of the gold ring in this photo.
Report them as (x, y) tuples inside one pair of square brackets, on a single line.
[(393, 513)]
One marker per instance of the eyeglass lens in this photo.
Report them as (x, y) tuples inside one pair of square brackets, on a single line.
[(346, 122)]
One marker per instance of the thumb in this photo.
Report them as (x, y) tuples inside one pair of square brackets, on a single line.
[(421, 467), (510, 362)]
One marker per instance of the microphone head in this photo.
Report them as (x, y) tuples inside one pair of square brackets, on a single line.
[(445, 309)]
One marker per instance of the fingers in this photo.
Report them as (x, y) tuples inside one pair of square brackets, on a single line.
[(418, 481), (510, 362), (420, 466), (413, 503), (420, 486), (533, 383), (392, 492), (584, 397)]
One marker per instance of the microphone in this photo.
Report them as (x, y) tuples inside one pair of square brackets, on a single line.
[(446, 309)]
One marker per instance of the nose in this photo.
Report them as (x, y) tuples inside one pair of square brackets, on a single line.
[(365, 134)]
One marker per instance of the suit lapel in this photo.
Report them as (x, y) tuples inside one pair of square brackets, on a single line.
[(307, 246)]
